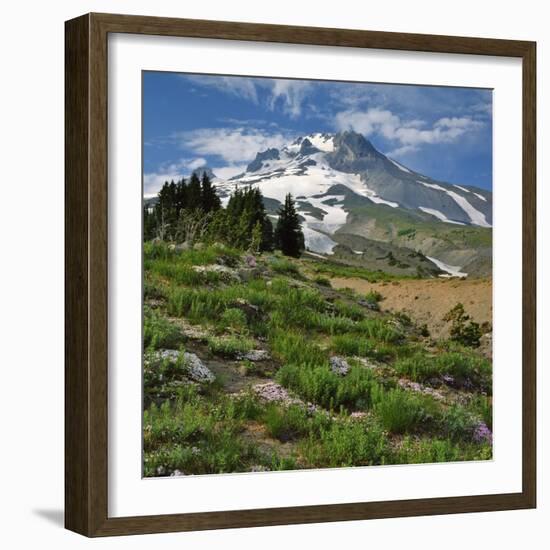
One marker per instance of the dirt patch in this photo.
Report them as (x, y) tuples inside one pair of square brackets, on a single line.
[(428, 300)]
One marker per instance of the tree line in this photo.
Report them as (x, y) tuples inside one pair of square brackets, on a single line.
[(190, 210)]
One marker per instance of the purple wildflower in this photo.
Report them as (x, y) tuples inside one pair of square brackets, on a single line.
[(482, 433)]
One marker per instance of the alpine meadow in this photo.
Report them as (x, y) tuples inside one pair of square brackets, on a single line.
[(317, 262)]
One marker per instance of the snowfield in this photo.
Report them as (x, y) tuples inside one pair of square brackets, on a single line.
[(452, 270), (318, 242), (402, 168), (305, 172), (476, 217), (438, 215)]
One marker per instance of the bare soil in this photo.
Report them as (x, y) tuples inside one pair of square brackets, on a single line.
[(428, 300)]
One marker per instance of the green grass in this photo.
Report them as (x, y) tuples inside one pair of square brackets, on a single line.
[(198, 437), (301, 322), (285, 267), (320, 385), (233, 318), (345, 444), (401, 411), (463, 366), (351, 345), (293, 422), (323, 281), (419, 367), (230, 347), (158, 332), (296, 348), (425, 450), (205, 256), (331, 269)]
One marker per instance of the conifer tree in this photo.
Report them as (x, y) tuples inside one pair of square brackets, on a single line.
[(193, 193), (289, 237), (210, 200)]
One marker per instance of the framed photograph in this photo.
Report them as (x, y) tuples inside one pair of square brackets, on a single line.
[(300, 275)]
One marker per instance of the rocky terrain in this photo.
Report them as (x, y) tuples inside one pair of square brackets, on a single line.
[(260, 362)]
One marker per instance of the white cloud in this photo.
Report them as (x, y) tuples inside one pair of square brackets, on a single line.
[(226, 172), (289, 93), (409, 135), (233, 145), (153, 181), (237, 86)]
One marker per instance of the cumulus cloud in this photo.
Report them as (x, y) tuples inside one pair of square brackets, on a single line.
[(408, 135), (233, 145), (153, 181)]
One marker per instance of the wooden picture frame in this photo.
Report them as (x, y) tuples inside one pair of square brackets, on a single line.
[(86, 282)]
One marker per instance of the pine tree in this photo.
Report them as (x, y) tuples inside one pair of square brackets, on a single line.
[(210, 200), (193, 193), (288, 233)]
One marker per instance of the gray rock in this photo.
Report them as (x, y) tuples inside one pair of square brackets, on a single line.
[(196, 369), (227, 274), (250, 261), (180, 247), (256, 355), (339, 366)]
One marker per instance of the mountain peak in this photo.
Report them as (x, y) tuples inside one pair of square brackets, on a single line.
[(356, 143)]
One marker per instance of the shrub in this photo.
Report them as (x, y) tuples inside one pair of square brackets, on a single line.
[(346, 443), (419, 367), (292, 347), (322, 386), (380, 330), (285, 267), (463, 330), (158, 332), (287, 423), (466, 368), (350, 310), (233, 318), (457, 423), (197, 436), (401, 411), (322, 281), (231, 347), (349, 344)]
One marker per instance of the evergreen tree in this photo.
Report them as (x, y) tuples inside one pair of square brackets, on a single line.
[(210, 200), (289, 237), (193, 193)]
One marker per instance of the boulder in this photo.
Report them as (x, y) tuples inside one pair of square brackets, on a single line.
[(196, 369), (339, 366), (256, 355), (227, 274)]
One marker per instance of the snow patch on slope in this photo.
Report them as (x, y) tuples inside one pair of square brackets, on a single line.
[(432, 186), (438, 215), (462, 189), (452, 270), (476, 217), (317, 242), (322, 142), (480, 197), (401, 167)]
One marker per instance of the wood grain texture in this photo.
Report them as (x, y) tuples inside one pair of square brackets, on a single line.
[(86, 256), (77, 388)]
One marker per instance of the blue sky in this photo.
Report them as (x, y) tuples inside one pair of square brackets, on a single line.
[(223, 121)]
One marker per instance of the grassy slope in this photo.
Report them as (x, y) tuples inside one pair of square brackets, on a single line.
[(405, 399), (456, 245)]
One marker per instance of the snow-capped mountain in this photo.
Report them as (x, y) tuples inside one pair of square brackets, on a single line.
[(338, 179)]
